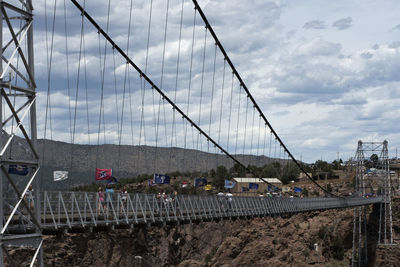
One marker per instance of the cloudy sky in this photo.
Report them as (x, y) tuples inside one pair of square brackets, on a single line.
[(325, 73)]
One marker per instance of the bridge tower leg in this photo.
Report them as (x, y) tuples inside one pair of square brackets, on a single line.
[(359, 255), (19, 205), (372, 173), (386, 223)]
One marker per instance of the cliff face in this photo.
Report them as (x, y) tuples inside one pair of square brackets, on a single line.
[(259, 241), (389, 255)]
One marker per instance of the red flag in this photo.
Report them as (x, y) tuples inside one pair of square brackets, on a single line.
[(103, 174)]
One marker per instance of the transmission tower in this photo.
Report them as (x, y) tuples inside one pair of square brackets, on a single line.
[(372, 178), (19, 161)]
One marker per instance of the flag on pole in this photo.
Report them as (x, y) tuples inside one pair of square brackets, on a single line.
[(297, 190), (161, 179), (208, 187), (103, 174), (60, 175), (229, 184), (200, 182), (18, 170), (112, 180)]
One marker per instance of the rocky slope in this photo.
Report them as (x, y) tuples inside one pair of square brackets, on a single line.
[(286, 240), (308, 239)]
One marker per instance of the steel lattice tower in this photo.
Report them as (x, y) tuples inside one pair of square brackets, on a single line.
[(372, 177), (19, 221), (386, 223)]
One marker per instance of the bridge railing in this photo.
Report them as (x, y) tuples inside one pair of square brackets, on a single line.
[(67, 210)]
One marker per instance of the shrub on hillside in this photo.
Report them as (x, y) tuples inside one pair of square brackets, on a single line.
[(338, 248)]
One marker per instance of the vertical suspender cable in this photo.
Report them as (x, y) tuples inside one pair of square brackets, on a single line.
[(212, 100), (161, 86), (101, 86), (77, 89), (238, 120), (143, 83), (280, 148), (67, 68), (202, 83), (130, 105), (173, 133), (230, 114), (190, 85), (86, 89), (156, 133), (252, 132), (49, 64), (264, 144), (201, 93), (270, 146), (245, 128), (220, 111), (258, 141), (124, 89), (115, 87), (68, 81), (190, 73), (102, 73), (212, 96)]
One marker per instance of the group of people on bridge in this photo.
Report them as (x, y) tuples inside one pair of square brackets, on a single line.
[(106, 197)]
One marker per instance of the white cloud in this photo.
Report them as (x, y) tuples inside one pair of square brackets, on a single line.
[(321, 90)]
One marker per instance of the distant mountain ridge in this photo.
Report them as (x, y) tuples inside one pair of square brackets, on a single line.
[(126, 161)]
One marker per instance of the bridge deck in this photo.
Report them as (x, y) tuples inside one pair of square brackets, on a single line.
[(71, 210)]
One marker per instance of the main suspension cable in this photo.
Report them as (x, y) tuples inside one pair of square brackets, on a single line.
[(148, 80), (249, 95)]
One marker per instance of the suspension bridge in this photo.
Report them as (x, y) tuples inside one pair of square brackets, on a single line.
[(145, 74)]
